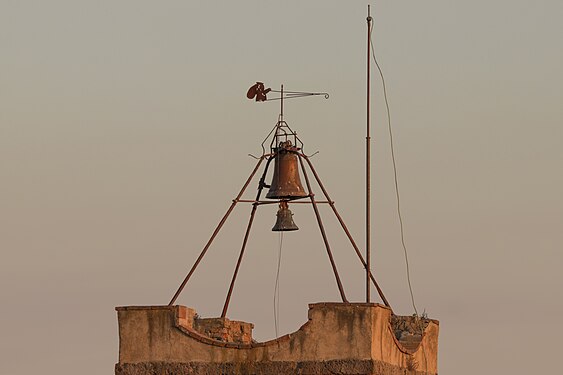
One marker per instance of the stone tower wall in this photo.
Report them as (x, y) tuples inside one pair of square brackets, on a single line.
[(338, 338)]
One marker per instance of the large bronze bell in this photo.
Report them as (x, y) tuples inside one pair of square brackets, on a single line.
[(286, 183), (284, 222)]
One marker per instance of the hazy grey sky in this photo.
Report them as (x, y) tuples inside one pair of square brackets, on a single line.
[(124, 134)]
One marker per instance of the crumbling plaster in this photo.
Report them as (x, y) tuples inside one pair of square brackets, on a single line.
[(356, 334)]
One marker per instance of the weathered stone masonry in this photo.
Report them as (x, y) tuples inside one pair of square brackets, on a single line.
[(338, 338)]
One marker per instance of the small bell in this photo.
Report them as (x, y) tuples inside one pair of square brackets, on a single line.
[(284, 222)]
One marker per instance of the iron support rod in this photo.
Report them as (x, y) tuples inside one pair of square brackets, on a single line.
[(303, 202), (319, 221), (261, 185), (281, 104), (292, 201), (345, 228), (228, 299), (368, 167), (215, 232)]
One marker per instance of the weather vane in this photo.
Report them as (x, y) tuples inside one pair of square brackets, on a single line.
[(258, 92), (282, 132)]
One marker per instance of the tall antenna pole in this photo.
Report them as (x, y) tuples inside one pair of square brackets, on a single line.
[(368, 167)]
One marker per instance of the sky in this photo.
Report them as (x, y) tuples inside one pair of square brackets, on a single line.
[(125, 133)]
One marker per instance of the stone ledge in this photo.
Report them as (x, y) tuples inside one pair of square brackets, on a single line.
[(337, 304), (336, 367), (336, 334), (153, 307)]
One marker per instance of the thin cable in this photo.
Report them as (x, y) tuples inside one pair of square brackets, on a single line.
[(277, 287), (395, 175)]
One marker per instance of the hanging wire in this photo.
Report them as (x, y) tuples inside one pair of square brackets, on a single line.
[(277, 287), (395, 175)]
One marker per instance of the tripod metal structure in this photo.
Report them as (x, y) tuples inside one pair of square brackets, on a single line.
[(286, 150)]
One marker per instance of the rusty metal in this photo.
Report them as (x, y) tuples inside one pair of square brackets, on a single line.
[(305, 202), (286, 188), (284, 219), (258, 92), (295, 94), (345, 229), (281, 108), (286, 183), (282, 131), (232, 285), (257, 202), (260, 203), (321, 227), (368, 167), (261, 186), (215, 232)]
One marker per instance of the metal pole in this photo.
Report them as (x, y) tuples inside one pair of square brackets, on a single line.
[(281, 104), (261, 186), (228, 299), (368, 167), (215, 232), (345, 228), (323, 233)]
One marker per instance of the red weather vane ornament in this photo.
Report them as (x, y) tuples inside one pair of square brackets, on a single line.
[(258, 91)]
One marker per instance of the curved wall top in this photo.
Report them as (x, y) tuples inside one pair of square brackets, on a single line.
[(350, 332)]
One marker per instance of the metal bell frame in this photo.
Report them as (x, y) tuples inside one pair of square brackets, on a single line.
[(282, 133)]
